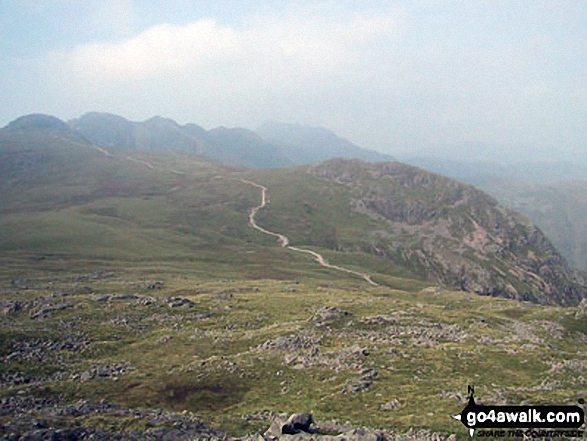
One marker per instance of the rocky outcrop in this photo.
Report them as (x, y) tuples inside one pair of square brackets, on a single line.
[(296, 423), (329, 314), (454, 234), (51, 418), (302, 427)]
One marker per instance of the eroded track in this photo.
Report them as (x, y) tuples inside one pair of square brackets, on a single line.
[(284, 241)]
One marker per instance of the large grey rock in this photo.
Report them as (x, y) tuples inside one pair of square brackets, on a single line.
[(296, 423), (176, 302), (329, 314)]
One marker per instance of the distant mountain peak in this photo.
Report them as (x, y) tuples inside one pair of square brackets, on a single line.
[(237, 131), (159, 120), (306, 144), (275, 128), (38, 121), (106, 115)]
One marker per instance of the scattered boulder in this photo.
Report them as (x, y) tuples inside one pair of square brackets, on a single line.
[(34, 418), (338, 431), (176, 302), (45, 350), (113, 370), (381, 320), (294, 424), (158, 284), (116, 297), (11, 306), (44, 312), (302, 340), (330, 314), (391, 405), (123, 297), (298, 422), (581, 310), (146, 301), (366, 379)]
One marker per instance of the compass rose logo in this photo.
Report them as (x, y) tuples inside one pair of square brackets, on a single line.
[(471, 405), (531, 417)]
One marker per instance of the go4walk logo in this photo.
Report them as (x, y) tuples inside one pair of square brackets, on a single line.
[(530, 421)]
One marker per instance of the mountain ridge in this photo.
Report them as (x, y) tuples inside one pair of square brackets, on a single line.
[(233, 146)]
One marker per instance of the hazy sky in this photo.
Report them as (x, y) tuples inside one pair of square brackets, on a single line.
[(392, 76)]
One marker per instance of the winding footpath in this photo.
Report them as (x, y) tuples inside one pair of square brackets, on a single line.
[(284, 241), (128, 158)]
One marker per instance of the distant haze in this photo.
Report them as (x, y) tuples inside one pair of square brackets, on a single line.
[(471, 80)]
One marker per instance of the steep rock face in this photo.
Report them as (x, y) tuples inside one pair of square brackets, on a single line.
[(454, 233), (558, 208)]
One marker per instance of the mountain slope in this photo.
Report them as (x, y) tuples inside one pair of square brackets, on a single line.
[(138, 302), (551, 195), (61, 195), (63, 199), (154, 134), (243, 147), (230, 146)]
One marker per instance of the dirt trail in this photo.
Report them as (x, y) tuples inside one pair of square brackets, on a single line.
[(284, 241), (128, 158)]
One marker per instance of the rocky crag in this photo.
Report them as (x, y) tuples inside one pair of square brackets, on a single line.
[(455, 234)]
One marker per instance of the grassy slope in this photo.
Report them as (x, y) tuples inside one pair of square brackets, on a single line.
[(308, 211), (71, 203), (203, 359)]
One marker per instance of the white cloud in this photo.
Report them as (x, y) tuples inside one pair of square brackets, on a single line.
[(159, 50), (290, 67), (308, 45)]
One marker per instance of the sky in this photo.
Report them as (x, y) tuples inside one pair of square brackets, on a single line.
[(468, 79)]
